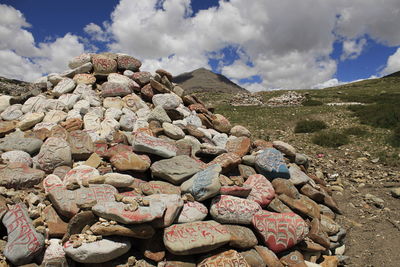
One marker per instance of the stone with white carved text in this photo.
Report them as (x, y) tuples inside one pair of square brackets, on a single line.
[(53, 153), (23, 242), (270, 163)]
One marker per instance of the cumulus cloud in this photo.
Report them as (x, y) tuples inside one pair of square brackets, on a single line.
[(96, 32), (22, 58), (393, 63)]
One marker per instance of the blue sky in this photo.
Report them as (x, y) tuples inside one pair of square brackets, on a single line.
[(260, 44)]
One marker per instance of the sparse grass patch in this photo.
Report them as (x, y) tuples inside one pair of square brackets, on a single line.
[(312, 102), (378, 115), (309, 126), (394, 139), (355, 130), (390, 159), (332, 139)]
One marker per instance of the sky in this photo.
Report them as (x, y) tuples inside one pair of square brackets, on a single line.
[(259, 44)]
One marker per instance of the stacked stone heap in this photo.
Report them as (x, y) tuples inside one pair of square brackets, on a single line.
[(109, 164), (286, 100), (245, 99)]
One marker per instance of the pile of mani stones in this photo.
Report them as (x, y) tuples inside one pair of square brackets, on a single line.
[(113, 165)]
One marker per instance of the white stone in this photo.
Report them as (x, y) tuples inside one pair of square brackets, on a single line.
[(220, 139), (29, 120), (16, 156), (128, 73), (74, 114), (66, 85), (140, 124), (167, 101), (54, 104), (13, 112), (193, 120), (118, 179), (55, 116), (54, 254), (79, 61), (34, 104), (173, 131), (98, 251), (46, 125), (183, 110), (82, 88), (108, 127), (113, 113), (127, 122), (4, 102), (92, 98), (54, 78), (118, 78), (69, 100), (92, 121), (113, 102), (82, 106), (206, 133), (180, 123)]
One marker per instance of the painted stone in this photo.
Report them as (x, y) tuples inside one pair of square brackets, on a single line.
[(23, 243), (17, 156), (84, 78), (159, 187), (192, 212), (270, 163), (233, 210), (280, 231), (175, 170), (80, 175), (54, 254), (66, 85), (145, 143), (29, 120), (11, 113), (227, 258), (195, 237), (79, 60), (126, 62), (262, 190), (103, 64), (117, 211), (235, 190), (204, 184), (115, 89)]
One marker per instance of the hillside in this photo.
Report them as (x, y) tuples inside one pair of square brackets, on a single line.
[(203, 80), (361, 173)]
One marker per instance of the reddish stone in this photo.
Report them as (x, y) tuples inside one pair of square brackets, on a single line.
[(72, 124), (142, 77), (235, 190), (198, 108), (246, 171), (294, 259), (227, 258), (159, 187), (262, 190), (284, 186), (125, 62), (240, 146), (268, 256), (128, 160), (280, 231), (7, 127), (304, 205), (57, 227), (42, 134), (81, 145), (147, 93), (115, 150), (115, 89), (163, 72), (228, 161), (103, 64), (59, 132), (101, 149), (262, 144)]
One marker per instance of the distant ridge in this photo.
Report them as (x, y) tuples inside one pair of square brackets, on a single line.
[(394, 74), (204, 80)]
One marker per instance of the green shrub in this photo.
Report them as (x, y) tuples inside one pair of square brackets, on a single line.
[(312, 102), (332, 139), (378, 115), (309, 126), (357, 131)]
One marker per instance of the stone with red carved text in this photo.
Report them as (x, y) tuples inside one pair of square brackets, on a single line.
[(235, 190), (103, 64), (280, 231), (227, 258), (148, 144), (195, 237), (23, 242), (262, 190), (119, 212), (234, 210), (192, 212), (159, 187), (115, 89), (126, 62), (17, 156), (54, 254), (176, 169), (53, 153), (19, 176), (204, 184)]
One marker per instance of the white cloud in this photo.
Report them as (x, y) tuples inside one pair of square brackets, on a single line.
[(22, 58), (96, 32), (238, 70), (393, 63), (352, 48), (328, 83)]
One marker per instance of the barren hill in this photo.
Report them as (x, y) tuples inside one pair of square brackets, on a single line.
[(203, 80)]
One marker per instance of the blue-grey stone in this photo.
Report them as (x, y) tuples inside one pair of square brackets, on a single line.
[(271, 164)]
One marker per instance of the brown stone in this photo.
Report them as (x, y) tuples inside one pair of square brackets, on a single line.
[(241, 237), (330, 261), (221, 123), (268, 256), (19, 176), (42, 134), (93, 161), (246, 171), (205, 120), (114, 150), (227, 258), (141, 231), (72, 124), (57, 227), (278, 206), (147, 92), (293, 259), (78, 222), (284, 186), (163, 72), (304, 205), (240, 146), (128, 160), (61, 171), (318, 235), (200, 108), (228, 161), (7, 127), (310, 246), (154, 248), (262, 144), (59, 132), (3, 206), (312, 193), (253, 258), (159, 187), (193, 131), (81, 144)]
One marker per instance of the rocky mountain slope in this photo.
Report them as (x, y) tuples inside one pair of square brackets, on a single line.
[(115, 166), (203, 80)]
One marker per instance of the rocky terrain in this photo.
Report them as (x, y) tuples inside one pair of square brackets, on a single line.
[(106, 164), (204, 80)]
